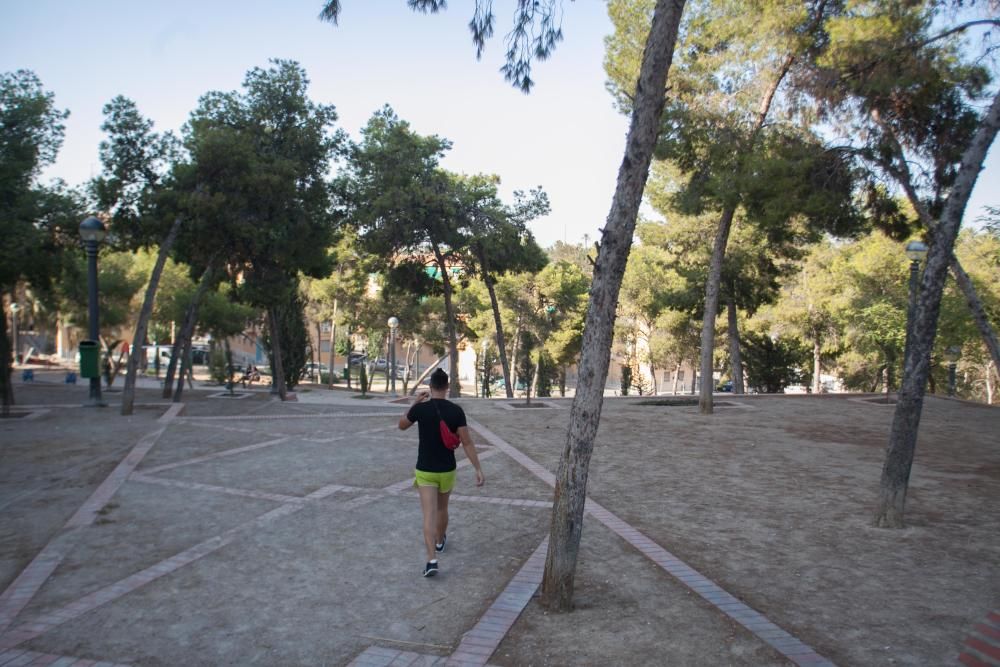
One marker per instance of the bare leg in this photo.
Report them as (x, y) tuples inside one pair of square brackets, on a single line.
[(442, 516), (429, 505)]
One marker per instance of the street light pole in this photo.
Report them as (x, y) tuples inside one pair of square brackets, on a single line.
[(393, 325), (92, 232)]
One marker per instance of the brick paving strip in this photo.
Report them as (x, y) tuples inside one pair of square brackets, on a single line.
[(715, 595), (982, 647), (20, 657)]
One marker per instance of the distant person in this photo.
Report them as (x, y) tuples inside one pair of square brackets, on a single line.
[(434, 475)]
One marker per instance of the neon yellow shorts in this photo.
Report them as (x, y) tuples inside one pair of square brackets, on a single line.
[(444, 481)]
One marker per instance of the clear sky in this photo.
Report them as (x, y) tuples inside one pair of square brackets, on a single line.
[(565, 136)]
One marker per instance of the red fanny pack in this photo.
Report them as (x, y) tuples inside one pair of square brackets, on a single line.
[(450, 439)]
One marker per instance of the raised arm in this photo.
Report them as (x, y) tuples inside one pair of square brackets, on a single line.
[(404, 421)]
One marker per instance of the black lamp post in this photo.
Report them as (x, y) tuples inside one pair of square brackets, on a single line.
[(951, 355), (393, 326), (916, 251), (92, 231)]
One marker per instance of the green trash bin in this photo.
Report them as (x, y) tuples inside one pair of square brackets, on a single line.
[(90, 359), (347, 371)]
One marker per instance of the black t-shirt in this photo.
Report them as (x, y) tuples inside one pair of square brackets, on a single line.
[(433, 456)]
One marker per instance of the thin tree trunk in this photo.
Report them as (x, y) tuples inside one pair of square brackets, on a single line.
[(317, 355), (735, 358), (817, 367), (6, 365), (719, 252), (350, 348), (454, 388), (916, 366), (278, 372), (142, 325), (534, 380), (978, 312), (183, 342), (585, 414), (168, 379), (900, 170), (677, 369), (501, 342), (333, 343), (707, 363), (694, 378), (185, 363), (229, 363), (513, 356), (990, 368)]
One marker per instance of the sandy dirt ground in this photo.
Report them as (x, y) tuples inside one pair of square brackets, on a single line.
[(251, 532)]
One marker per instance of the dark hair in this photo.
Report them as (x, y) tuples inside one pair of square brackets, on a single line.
[(439, 379)]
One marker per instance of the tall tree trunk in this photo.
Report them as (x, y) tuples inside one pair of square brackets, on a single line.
[(182, 344), (6, 364), (535, 378), (677, 370), (978, 312), (185, 361), (899, 168), (735, 358), (515, 350), (455, 387), (229, 362), (990, 369), (142, 325), (350, 348), (168, 379), (501, 342), (707, 363), (317, 354), (278, 372), (916, 365), (719, 250), (694, 377), (333, 343), (585, 414)]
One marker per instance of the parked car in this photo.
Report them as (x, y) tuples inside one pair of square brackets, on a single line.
[(725, 387)]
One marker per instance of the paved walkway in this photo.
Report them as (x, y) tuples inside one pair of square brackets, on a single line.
[(289, 485), (476, 645)]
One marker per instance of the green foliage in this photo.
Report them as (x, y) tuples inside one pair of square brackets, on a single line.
[(537, 29), (135, 162), (626, 379), (254, 189), (218, 365), (773, 363), (118, 285), (294, 341), (36, 223)]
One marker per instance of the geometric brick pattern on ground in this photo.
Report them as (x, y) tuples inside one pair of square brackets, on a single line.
[(475, 647)]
